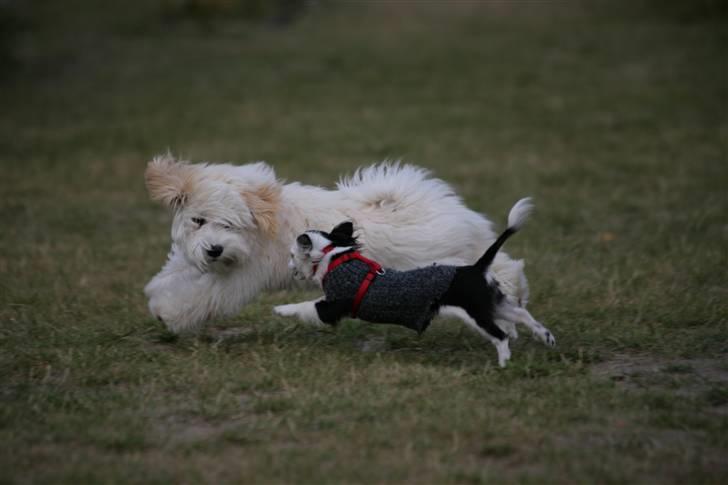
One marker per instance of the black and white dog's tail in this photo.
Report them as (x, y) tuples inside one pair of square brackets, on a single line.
[(516, 218)]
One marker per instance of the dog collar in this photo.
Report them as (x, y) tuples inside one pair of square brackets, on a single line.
[(374, 270), (326, 251)]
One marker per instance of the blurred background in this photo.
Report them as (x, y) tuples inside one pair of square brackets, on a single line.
[(615, 105), (330, 82)]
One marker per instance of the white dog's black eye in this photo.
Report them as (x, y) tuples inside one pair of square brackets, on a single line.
[(199, 221)]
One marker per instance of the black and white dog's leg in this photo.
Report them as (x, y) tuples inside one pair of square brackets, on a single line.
[(501, 344), (519, 314), (508, 327), (304, 311)]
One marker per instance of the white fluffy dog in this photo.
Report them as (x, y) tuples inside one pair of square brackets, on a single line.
[(233, 226)]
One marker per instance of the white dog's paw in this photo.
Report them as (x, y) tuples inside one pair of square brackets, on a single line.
[(289, 310)]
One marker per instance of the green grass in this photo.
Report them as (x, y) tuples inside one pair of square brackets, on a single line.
[(613, 116)]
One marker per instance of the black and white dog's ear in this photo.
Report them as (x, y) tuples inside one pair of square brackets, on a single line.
[(304, 243), (344, 230)]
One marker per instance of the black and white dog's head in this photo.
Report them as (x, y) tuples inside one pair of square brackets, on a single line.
[(314, 249)]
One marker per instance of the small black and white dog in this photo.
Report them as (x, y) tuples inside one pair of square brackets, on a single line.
[(358, 287)]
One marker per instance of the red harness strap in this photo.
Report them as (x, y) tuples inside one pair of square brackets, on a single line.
[(326, 251), (374, 270)]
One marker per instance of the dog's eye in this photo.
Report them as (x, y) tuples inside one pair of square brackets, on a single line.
[(199, 221)]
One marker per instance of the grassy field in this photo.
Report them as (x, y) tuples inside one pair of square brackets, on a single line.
[(612, 115)]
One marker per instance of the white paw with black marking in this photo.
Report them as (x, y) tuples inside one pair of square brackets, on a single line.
[(549, 339)]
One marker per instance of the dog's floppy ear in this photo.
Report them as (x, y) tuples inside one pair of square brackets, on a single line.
[(345, 230), (168, 180), (304, 243), (263, 202)]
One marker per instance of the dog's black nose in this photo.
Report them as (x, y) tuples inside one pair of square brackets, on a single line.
[(214, 251)]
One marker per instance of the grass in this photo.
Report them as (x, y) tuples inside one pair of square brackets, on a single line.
[(611, 115)]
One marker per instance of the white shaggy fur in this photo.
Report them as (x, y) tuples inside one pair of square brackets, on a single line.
[(252, 217)]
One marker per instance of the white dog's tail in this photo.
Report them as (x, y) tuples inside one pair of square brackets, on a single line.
[(516, 218)]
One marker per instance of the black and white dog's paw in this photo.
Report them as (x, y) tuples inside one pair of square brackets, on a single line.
[(304, 311), (289, 310), (544, 335), (549, 339), (504, 352), (509, 328)]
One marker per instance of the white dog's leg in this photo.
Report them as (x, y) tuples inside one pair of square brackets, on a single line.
[(183, 297), (501, 346), (304, 311), (177, 295), (517, 314)]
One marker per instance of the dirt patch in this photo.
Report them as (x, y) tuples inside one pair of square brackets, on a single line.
[(371, 343), (705, 379), (228, 335), (186, 430), (628, 369)]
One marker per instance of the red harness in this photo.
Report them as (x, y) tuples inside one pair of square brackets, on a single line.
[(374, 270)]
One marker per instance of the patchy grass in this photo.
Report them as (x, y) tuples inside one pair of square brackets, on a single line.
[(611, 115)]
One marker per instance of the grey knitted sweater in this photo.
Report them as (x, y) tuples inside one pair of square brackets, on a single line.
[(407, 298)]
